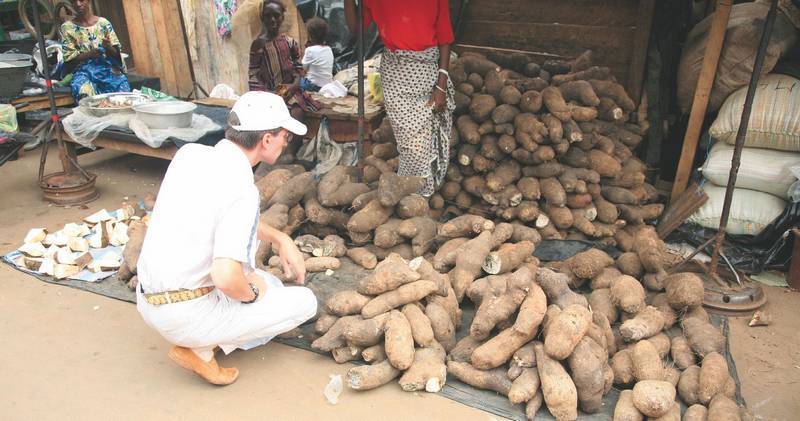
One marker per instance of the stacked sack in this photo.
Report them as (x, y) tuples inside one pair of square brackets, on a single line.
[(772, 148)]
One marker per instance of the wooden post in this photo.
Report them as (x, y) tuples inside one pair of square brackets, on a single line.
[(705, 82), (644, 22)]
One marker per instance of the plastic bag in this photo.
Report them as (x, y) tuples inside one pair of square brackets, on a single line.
[(8, 119), (333, 389), (771, 249), (156, 137), (794, 190), (223, 91), (84, 128), (334, 89), (322, 150)]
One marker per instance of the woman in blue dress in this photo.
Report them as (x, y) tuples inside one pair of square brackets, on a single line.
[(92, 53)]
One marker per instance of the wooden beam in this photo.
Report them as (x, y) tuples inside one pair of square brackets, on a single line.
[(163, 32), (705, 81), (136, 32), (612, 45), (180, 57), (644, 21), (138, 148), (611, 13)]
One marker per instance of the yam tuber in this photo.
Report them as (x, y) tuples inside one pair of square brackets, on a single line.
[(494, 380), (368, 377), (566, 330), (346, 302), (653, 398), (399, 345), (558, 389), (645, 324), (421, 329), (392, 188), (404, 294), (647, 364), (428, 372)]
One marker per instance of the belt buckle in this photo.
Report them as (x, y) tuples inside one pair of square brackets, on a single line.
[(166, 297)]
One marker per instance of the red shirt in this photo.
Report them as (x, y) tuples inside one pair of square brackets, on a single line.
[(413, 25)]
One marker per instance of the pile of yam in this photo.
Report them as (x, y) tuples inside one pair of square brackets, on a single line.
[(557, 334), (549, 146)]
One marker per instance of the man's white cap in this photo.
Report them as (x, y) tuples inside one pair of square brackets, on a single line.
[(258, 110)]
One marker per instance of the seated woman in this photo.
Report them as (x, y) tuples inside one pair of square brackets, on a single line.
[(275, 62), (92, 53)]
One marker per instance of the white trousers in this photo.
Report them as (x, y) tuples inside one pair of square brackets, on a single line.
[(216, 320)]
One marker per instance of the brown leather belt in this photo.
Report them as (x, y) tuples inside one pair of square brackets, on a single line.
[(169, 297)]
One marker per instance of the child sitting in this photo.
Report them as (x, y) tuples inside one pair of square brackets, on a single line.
[(318, 58)]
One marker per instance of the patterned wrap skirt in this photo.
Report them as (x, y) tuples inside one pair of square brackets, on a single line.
[(423, 136)]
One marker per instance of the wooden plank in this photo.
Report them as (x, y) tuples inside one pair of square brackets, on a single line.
[(166, 152), (189, 24), (41, 102), (136, 32), (639, 54), (151, 40), (681, 209), (705, 81), (614, 13), (163, 32), (536, 55), (565, 40), (180, 57)]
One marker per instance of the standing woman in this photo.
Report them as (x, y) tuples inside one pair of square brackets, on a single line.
[(417, 90), (92, 53)]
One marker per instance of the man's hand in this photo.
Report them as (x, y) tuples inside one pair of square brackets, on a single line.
[(292, 262), (256, 279), (438, 100)]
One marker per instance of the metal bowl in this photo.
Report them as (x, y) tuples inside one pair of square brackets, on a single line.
[(115, 102), (166, 114)]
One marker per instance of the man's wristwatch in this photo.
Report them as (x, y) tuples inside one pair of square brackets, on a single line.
[(254, 288)]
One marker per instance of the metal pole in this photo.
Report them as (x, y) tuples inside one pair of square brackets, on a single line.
[(54, 117), (360, 79), (45, 65), (743, 123)]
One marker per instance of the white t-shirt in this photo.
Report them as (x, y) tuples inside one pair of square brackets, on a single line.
[(207, 207), (318, 62)]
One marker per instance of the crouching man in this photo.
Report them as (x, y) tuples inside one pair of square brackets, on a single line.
[(198, 286)]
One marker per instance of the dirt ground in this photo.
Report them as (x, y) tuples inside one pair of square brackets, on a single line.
[(72, 354)]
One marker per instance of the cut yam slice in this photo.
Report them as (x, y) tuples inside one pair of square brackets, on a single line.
[(119, 235), (78, 244), (32, 249), (100, 216), (32, 263), (35, 235), (61, 271), (74, 230), (57, 238), (64, 256), (47, 267)]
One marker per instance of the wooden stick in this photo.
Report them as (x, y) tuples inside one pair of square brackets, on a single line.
[(705, 82)]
